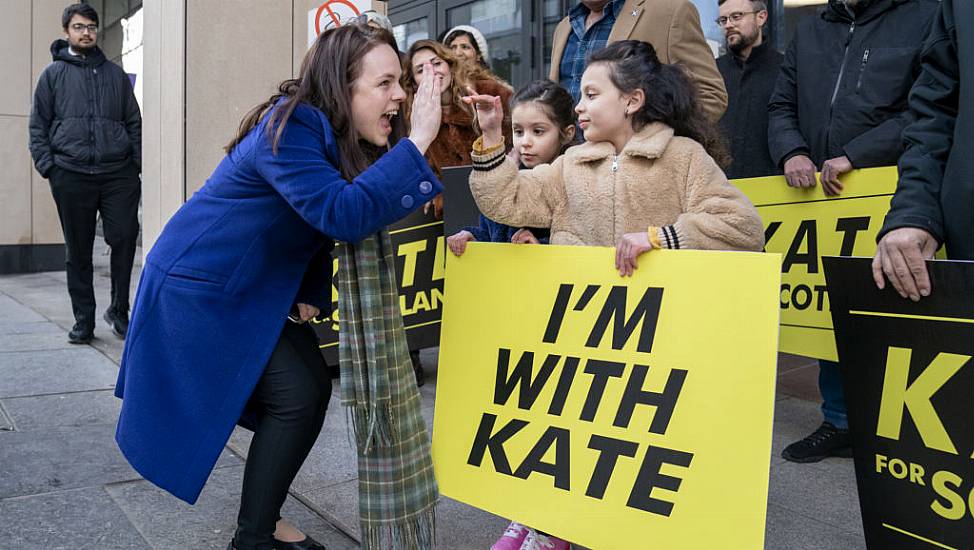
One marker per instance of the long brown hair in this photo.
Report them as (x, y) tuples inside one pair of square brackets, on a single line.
[(328, 71), (458, 75)]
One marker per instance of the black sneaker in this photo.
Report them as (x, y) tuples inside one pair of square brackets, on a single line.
[(418, 369), (81, 333), (118, 321), (824, 442)]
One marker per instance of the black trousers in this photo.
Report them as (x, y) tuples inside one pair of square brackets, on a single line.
[(79, 198), (290, 402)]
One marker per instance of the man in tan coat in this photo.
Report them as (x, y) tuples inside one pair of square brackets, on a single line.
[(671, 26)]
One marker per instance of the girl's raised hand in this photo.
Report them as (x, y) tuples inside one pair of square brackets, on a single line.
[(490, 116), (630, 246), (424, 122)]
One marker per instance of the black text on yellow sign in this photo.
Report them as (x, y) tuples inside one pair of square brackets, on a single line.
[(491, 436), (803, 225), (606, 398)]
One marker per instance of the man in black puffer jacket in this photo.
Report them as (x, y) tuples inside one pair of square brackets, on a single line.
[(840, 103), (85, 138)]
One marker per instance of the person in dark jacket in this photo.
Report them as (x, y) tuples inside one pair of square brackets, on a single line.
[(840, 103), (750, 68), (934, 200), (86, 140)]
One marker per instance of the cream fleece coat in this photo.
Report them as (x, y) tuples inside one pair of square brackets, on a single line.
[(591, 196)]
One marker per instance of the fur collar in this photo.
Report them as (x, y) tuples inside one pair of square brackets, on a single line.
[(650, 142)]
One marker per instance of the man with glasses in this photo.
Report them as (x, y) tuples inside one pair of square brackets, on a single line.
[(85, 139), (671, 26), (750, 68), (840, 103)]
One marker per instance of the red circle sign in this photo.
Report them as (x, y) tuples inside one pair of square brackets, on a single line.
[(333, 12)]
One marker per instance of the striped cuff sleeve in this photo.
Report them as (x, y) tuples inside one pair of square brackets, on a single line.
[(670, 237), (487, 159)]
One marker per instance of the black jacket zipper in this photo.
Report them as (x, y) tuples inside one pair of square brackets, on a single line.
[(845, 57), (862, 69)]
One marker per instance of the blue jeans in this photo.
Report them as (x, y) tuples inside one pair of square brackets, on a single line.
[(833, 396)]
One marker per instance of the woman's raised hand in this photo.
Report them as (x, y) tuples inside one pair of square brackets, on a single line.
[(490, 116), (424, 122)]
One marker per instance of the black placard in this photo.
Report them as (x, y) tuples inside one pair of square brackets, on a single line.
[(909, 382), (418, 242)]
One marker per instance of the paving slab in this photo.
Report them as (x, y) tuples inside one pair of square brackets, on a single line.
[(35, 341), (67, 520), (788, 530), (11, 309), (58, 459), (63, 410), (827, 494), (80, 368), (168, 523), (8, 327)]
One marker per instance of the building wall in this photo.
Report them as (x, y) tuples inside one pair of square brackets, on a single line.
[(206, 65), (30, 235)]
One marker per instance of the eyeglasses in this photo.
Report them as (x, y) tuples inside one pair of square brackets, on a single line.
[(363, 19), (80, 27), (733, 18)]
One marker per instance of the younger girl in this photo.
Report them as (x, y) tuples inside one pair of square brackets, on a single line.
[(645, 178), (543, 122)]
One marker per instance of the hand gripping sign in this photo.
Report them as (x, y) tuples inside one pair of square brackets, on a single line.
[(604, 410), (803, 225)]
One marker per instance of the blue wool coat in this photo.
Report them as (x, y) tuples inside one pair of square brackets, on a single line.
[(218, 284)]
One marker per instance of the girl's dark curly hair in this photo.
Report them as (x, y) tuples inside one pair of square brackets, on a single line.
[(671, 96)]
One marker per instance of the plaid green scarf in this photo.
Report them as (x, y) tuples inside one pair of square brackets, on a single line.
[(397, 490)]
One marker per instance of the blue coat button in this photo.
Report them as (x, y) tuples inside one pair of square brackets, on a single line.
[(425, 187), (407, 201)]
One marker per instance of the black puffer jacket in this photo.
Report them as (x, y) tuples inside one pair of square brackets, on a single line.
[(844, 83), (85, 117), (936, 187)]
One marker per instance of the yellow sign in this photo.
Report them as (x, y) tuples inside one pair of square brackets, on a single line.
[(803, 225), (609, 411)]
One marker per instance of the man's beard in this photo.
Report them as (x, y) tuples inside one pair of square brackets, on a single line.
[(84, 48), (744, 42)]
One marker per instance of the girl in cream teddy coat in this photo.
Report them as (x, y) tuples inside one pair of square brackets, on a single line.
[(645, 178)]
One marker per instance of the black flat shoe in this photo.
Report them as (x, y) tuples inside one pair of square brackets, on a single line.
[(307, 544)]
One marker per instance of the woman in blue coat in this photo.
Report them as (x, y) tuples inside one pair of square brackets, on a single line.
[(210, 337)]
